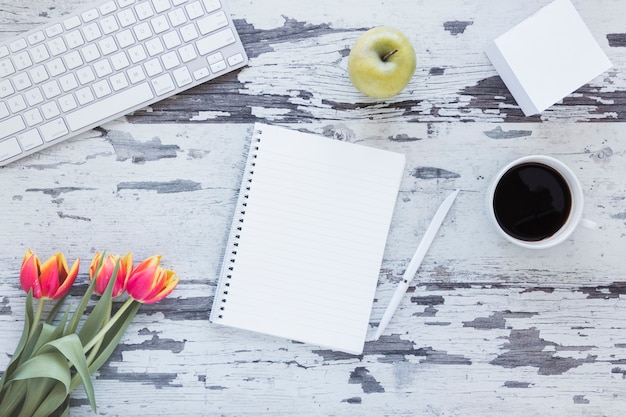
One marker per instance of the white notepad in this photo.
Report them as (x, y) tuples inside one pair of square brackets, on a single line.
[(547, 56), (307, 239)]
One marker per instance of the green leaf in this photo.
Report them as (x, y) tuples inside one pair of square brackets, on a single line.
[(72, 348), (54, 403), (78, 313), (37, 389), (46, 334), (28, 319), (46, 365), (101, 312), (113, 336), (31, 344), (15, 393), (55, 310)]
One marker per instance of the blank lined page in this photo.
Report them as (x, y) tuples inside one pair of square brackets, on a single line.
[(308, 237)]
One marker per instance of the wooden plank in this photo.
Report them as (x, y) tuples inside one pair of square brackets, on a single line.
[(487, 329)]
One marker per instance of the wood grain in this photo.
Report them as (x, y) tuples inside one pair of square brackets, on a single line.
[(488, 329)]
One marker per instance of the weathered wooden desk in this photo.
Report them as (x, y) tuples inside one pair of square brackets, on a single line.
[(487, 330)]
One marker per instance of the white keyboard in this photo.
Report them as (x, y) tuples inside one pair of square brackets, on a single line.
[(73, 74)]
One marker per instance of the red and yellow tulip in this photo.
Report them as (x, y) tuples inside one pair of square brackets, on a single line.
[(50, 280), (150, 282), (106, 271)]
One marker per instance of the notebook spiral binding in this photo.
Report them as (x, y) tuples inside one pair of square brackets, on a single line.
[(240, 212)]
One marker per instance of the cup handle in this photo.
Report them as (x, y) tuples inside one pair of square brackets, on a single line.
[(588, 224)]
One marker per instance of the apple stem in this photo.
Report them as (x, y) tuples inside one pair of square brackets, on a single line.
[(386, 57)]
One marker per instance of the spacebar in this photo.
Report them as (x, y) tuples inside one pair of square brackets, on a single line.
[(104, 108)]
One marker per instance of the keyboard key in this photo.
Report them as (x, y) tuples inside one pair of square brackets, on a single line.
[(89, 15), (57, 46), (34, 97), (6, 68), (189, 32), (33, 117), (102, 88), (74, 39), (36, 37), (216, 41), (22, 60), (68, 82), (177, 17), (51, 89), (108, 7), (21, 81), (39, 74), (213, 22), (11, 126), (182, 76), (18, 45), (39, 53), (84, 96), (119, 61), (126, 18), (30, 139), (170, 60), (136, 74), (172, 40), (67, 103), (187, 53), (163, 84), (72, 22), (54, 30), (142, 31), (125, 38), (107, 46), (9, 148), (16, 104), (161, 5), (109, 25), (144, 10), (53, 130), (218, 66), (201, 73), (194, 10), (153, 67), (119, 82), (101, 109), (211, 5), (92, 32), (235, 60), (159, 24), (6, 89), (50, 110)]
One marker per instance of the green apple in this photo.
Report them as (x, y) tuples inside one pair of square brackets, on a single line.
[(382, 62)]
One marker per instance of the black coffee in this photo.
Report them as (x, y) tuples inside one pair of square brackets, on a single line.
[(532, 201)]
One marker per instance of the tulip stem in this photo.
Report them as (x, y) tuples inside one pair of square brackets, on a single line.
[(388, 55), (37, 317), (108, 325)]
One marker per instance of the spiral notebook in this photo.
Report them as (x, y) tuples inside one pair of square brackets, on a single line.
[(307, 240)]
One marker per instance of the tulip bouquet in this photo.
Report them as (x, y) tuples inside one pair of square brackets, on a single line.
[(56, 355)]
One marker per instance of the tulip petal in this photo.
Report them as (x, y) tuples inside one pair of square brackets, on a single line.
[(29, 274), (68, 281), (150, 283), (49, 277), (168, 286)]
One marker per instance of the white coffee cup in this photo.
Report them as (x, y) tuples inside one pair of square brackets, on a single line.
[(527, 202)]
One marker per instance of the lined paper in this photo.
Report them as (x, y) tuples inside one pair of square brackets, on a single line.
[(303, 258)]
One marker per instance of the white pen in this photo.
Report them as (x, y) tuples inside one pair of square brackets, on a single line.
[(415, 262)]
